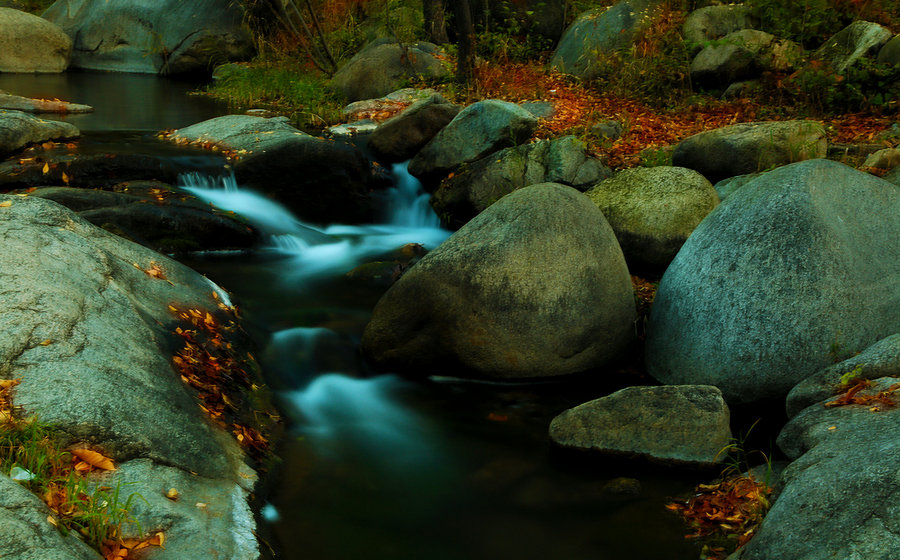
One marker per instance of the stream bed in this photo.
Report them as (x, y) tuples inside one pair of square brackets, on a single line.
[(373, 465)]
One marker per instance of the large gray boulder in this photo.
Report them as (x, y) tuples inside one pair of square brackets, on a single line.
[(685, 424), (750, 147), (714, 22), (890, 52), (18, 129), (480, 184), (599, 32), (801, 258), (385, 67), (857, 40), (31, 44), (653, 210), (838, 498), (320, 180), (88, 331), (733, 58), (152, 36), (400, 137), (476, 131), (534, 286)]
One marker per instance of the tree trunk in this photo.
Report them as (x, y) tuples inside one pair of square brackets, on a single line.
[(465, 64), (435, 22)]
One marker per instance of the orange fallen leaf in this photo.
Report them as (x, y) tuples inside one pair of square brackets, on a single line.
[(46, 168), (65, 178), (94, 459), (5, 204)]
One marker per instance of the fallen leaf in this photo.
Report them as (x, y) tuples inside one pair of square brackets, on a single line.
[(94, 459), (46, 168), (47, 342), (172, 494), (5, 204)]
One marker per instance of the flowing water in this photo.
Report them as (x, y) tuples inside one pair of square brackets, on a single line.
[(376, 466)]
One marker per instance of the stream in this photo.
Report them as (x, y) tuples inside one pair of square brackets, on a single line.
[(373, 465)]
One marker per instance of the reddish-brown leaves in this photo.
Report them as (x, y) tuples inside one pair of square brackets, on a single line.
[(852, 396)]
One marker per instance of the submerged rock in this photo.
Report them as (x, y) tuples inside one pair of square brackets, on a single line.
[(534, 286), (799, 259), (685, 424)]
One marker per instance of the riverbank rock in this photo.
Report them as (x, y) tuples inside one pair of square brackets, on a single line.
[(88, 332), (750, 147), (385, 67), (882, 359), (28, 105), (157, 217), (800, 259), (18, 129), (534, 286), (478, 130), (599, 32), (323, 181), (29, 43), (857, 40), (653, 210), (400, 137), (838, 498), (468, 192), (743, 55), (99, 170), (685, 424), (890, 53), (160, 37)]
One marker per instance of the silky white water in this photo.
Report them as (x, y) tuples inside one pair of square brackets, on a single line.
[(314, 252)]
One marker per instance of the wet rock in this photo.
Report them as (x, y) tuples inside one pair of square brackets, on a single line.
[(84, 170), (104, 376), (882, 359), (857, 40), (161, 37), (790, 262), (480, 184), (686, 424), (750, 147), (399, 138), (18, 129), (653, 210), (476, 131), (598, 32), (28, 105), (383, 68), (534, 286), (32, 44), (322, 181)]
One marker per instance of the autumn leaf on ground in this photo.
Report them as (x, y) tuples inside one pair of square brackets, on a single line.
[(46, 169), (94, 459), (5, 204)]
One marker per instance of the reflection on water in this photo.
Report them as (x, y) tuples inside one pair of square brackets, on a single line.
[(121, 101)]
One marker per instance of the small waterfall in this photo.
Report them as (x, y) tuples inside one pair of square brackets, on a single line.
[(313, 252)]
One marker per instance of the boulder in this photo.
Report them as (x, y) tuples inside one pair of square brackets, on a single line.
[(399, 138), (28, 105), (750, 147), (152, 36), (653, 210), (321, 180), (88, 332), (890, 53), (392, 103), (893, 176), (534, 286), (32, 44), (887, 158), (599, 32), (156, 216), (739, 56), (882, 359), (18, 129), (714, 22), (383, 68), (795, 259), (25, 533), (838, 498), (480, 184), (476, 131), (857, 40), (725, 187), (97, 170), (684, 424)]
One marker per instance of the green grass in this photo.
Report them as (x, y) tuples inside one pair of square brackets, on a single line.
[(302, 96)]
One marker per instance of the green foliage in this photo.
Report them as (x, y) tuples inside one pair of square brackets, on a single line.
[(738, 459), (851, 377), (807, 22), (279, 86), (28, 445), (864, 86), (100, 513)]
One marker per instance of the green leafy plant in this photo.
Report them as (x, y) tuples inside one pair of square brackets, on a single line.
[(851, 377)]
